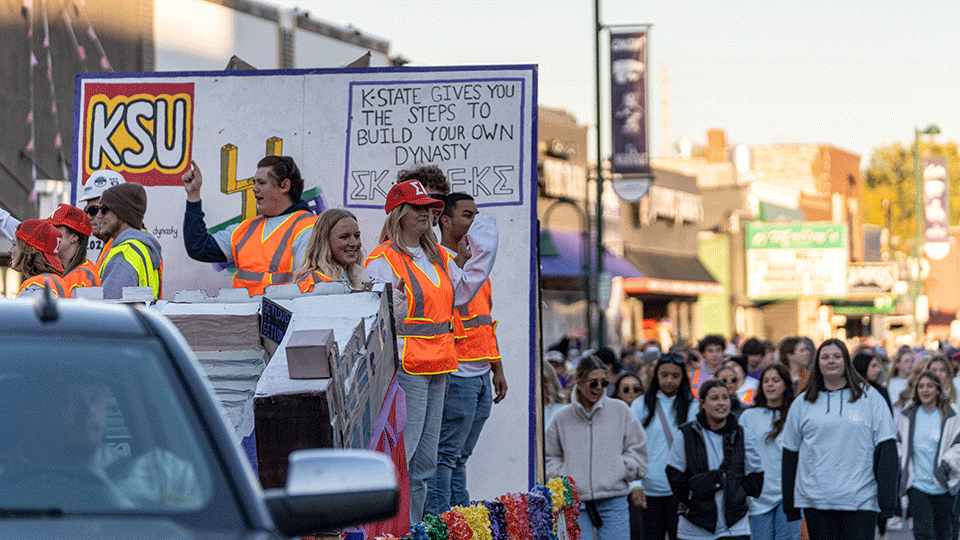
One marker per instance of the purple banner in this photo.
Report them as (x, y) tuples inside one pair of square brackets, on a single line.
[(936, 200), (628, 103)]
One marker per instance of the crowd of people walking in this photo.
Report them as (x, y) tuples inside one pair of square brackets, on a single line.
[(757, 440)]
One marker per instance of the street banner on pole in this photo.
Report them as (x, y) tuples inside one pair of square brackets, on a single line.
[(936, 206), (628, 103)]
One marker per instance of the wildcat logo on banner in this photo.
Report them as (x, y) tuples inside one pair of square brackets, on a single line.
[(141, 130)]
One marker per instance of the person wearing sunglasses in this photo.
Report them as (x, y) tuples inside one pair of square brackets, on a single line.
[(598, 441), (731, 379), (434, 182), (627, 388), (90, 196), (664, 408)]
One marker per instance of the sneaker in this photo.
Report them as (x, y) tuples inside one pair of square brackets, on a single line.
[(894, 523)]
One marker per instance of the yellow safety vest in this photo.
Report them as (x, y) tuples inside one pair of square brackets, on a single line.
[(136, 253)]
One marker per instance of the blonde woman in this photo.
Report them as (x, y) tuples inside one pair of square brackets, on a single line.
[(427, 288), (929, 430), (333, 253)]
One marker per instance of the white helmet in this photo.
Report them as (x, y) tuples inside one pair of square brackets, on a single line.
[(99, 182)]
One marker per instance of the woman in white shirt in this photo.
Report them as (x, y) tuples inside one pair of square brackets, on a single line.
[(839, 454), (661, 411), (930, 459), (765, 421)]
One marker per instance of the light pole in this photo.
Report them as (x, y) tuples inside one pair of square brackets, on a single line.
[(917, 283)]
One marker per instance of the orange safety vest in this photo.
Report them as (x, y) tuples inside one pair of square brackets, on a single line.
[(85, 275), (57, 285), (107, 246), (266, 261), (307, 282), (695, 384), (475, 328), (427, 330)]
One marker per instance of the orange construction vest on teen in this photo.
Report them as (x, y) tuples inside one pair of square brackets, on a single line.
[(427, 330), (307, 282), (695, 383), (57, 285), (475, 328), (85, 275), (266, 261)]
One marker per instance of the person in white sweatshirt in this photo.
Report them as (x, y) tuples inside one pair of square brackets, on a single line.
[(839, 453), (598, 442), (662, 410), (929, 434), (765, 420)]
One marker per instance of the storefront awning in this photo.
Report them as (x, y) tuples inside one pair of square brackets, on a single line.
[(561, 255), (670, 275)]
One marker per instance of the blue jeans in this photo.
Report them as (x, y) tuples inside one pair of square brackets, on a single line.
[(773, 525), (615, 516), (424, 398), (465, 409)]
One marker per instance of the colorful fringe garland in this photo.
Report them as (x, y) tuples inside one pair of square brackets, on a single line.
[(514, 516)]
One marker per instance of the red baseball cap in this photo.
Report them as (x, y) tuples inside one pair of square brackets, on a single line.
[(410, 192), (39, 233), (71, 217)]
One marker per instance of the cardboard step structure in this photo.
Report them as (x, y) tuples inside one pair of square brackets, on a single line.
[(293, 371)]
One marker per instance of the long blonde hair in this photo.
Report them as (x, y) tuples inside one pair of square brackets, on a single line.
[(392, 230), (319, 256)]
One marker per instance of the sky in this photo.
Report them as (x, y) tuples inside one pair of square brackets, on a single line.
[(853, 74)]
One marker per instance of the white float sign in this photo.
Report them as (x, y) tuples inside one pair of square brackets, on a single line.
[(350, 131)]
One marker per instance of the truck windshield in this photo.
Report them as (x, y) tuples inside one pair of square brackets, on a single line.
[(101, 427)]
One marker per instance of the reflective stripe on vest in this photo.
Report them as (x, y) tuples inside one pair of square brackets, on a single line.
[(476, 338), (136, 253), (85, 275), (478, 321), (694, 384), (57, 285), (253, 270), (427, 330), (421, 329), (307, 282)]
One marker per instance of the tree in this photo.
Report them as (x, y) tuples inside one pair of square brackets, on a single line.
[(890, 176)]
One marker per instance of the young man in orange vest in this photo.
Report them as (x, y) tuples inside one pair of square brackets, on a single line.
[(470, 390), (711, 350), (266, 248)]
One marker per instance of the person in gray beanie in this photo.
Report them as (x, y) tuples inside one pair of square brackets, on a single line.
[(134, 259)]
